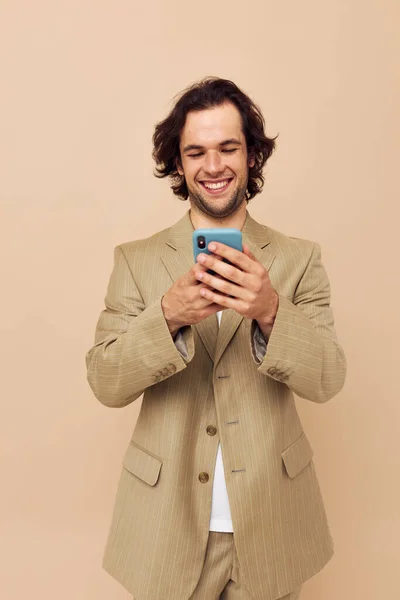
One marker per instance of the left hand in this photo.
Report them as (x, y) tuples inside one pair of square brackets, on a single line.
[(243, 286)]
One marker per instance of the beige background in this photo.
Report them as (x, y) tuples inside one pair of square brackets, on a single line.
[(82, 85)]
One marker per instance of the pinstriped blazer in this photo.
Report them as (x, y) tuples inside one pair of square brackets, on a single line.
[(158, 535)]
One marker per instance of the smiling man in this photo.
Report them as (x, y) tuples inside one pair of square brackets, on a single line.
[(218, 495), (214, 161)]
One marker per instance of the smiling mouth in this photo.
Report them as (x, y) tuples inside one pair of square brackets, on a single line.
[(216, 187)]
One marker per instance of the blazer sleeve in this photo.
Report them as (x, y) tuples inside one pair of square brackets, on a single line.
[(302, 350), (133, 347)]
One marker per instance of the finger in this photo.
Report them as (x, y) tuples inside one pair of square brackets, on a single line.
[(247, 252), (222, 285), (191, 275), (200, 257), (213, 308), (237, 258), (217, 265), (204, 303), (224, 301)]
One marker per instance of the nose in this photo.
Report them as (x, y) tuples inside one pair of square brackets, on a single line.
[(213, 164)]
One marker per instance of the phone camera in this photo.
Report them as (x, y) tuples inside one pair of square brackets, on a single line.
[(201, 241)]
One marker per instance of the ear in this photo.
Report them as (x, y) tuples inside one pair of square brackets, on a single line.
[(178, 166), (251, 159)]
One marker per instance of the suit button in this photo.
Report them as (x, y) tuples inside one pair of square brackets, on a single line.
[(211, 430), (204, 477), (272, 371), (157, 377)]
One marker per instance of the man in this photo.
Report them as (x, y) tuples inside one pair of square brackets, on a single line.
[(218, 496)]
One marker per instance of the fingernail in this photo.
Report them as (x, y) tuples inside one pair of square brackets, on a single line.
[(212, 247), (201, 258)]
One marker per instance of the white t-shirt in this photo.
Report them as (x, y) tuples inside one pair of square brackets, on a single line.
[(221, 519)]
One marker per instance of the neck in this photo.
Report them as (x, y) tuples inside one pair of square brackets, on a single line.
[(202, 221)]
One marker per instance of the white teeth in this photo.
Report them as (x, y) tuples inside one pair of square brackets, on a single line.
[(215, 186)]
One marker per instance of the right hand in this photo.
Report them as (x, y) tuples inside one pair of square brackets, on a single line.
[(183, 305)]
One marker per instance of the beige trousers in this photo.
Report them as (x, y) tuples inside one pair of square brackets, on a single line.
[(220, 577)]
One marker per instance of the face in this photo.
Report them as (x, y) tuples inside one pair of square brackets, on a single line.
[(214, 160)]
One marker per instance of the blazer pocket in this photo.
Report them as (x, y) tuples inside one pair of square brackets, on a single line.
[(297, 456), (142, 464)]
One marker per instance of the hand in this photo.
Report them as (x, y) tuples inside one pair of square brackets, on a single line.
[(244, 285), (184, 305)]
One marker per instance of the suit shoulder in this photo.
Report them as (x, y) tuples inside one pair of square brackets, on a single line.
[(152, 244), (288, 243)]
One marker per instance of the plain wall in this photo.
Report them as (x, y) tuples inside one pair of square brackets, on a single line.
[(82, 85)]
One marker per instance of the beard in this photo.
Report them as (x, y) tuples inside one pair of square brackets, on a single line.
[(206, 206)]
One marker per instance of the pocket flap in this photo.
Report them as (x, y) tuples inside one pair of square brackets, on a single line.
[(142, 464), (297, 456)]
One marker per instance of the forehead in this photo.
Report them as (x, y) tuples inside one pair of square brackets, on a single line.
[(212, 125)]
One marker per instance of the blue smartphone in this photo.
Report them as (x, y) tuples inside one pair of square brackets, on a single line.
[(228, 236)]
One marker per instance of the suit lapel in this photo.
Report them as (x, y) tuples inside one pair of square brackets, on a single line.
[(178, 259)]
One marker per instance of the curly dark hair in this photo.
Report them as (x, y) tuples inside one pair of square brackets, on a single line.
[(209, 93)]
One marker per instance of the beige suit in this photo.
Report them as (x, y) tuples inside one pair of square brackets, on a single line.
[(160, 526)]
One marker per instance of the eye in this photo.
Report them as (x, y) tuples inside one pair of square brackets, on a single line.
[(230, 151), (195, 155)]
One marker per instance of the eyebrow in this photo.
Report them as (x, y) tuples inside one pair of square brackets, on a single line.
[(224, 143)]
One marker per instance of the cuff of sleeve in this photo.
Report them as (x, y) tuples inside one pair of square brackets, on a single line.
[(258, 343), (184, 335), (161, 351), (291, 336)]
